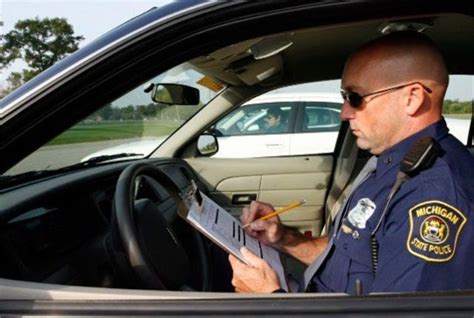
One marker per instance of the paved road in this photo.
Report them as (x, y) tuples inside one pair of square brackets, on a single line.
[(63, 155)]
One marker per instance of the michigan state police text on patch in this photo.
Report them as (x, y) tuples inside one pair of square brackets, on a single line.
[(434, 230)]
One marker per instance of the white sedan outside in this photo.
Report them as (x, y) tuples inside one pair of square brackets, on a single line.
[(312, 125)]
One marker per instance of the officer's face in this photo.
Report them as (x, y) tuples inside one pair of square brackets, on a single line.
[(376, 121)]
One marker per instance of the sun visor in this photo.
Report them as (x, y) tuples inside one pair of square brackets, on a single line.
[(258, 71)]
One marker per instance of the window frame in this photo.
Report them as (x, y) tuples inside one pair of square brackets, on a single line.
[(291, 118)]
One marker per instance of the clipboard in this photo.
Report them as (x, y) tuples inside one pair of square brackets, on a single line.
[(192, 198), (225, 230)]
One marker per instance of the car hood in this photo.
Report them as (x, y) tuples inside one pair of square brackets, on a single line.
[(142, 148)]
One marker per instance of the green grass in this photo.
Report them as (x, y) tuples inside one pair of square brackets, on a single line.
[(110, 130)]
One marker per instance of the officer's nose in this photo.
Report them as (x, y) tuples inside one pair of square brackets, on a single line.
[(347, 111)]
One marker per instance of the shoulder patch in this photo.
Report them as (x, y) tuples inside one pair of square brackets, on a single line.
[(434, 230)]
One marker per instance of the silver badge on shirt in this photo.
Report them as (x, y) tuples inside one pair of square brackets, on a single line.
[(359, 215)]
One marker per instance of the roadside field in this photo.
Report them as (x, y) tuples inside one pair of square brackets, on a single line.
[(111, 130)]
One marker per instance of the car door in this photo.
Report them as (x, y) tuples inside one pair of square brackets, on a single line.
[(277, 180), (316, 129)]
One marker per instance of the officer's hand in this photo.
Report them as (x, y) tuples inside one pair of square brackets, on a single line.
[(269, 231), (259, 277)]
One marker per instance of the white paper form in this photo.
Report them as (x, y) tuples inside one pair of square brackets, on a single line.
[(220, 226)]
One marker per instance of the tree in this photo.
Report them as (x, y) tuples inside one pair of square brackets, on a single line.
[(40, 43), (457, 107)]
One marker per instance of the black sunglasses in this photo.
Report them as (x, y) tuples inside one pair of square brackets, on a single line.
[(355, 99)]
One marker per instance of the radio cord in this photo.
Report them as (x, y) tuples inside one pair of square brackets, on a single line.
[(374, 244)]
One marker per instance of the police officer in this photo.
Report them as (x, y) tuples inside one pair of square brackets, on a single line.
[(422, 238)]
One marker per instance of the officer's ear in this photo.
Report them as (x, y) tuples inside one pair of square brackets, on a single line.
[(412, 98)]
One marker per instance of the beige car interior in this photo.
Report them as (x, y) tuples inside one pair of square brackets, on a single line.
[(292, 58)]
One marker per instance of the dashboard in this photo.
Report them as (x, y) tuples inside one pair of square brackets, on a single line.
[(56, 230)]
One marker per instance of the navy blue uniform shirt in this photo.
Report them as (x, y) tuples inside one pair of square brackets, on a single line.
[(426, 239)]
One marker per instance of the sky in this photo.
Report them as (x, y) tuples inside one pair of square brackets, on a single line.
[(92, 18), (89, 18)]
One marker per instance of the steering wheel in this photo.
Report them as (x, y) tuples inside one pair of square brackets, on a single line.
[(148, 233)]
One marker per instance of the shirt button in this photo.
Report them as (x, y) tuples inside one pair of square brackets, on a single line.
[(355, 235), (387, 160), (344, 246)]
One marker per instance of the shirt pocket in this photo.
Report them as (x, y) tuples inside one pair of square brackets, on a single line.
[(356, 248), (333, 276), (354, 243)]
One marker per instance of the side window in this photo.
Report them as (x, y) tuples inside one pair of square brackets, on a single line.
[(457, 107), (322, 116), (296, 120), (257, 119)]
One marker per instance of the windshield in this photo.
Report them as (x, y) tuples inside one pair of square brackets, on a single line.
[(133, 125)]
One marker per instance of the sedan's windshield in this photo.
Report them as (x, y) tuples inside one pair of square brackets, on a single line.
[(133, 125)]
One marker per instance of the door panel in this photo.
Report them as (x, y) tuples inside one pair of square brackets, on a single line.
[(278, 181)]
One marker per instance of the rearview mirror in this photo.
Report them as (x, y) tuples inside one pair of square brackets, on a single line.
[(175, 94)]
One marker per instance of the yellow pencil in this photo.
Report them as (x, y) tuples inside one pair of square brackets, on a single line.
[(281, 210)]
